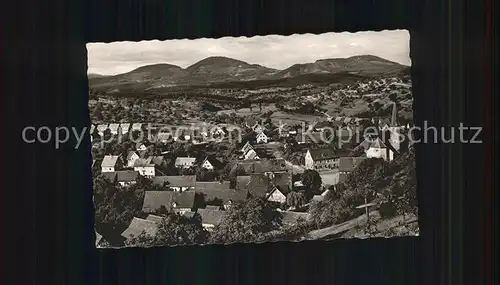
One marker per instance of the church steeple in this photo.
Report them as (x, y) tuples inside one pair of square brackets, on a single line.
[(394, 115)]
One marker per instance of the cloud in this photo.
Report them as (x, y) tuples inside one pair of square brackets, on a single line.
[(273, 51)]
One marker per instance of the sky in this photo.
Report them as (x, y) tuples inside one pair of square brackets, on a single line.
[(272, 51)]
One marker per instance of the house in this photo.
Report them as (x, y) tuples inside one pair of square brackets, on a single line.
[(376, 148), (211, 163), (276, 195), (322, 158), (219, 194), (347, 165), (176, 183), (158, 161), (154, 218), (101, 129), (126, 177), (185, 162), (259, 166), (138, 226), (242, 181), (262, 138), (251, 154), (217, 132), (110, 163), (132, 156), (114, 128), (145, 167), (140, 146), (247, 147), (136, 127), (210, 218), (110, 176), (177, 202)]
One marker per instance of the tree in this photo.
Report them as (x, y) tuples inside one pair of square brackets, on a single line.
[(295, 199), (173, 229), (312, 182), (247, 222)]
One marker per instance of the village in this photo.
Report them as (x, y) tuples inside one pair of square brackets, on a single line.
[(202, 172)]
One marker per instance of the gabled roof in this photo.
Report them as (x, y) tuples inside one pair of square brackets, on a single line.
[(130, 154), (189, 214), (347, 164), (260, 166), (213, 161), (157, 160), (377, 143), (221, 192), (242, 182), (154, 200), (137, 226), (283, 180), (175, 181), (323, 154), (275, 190), (215, 185), (259, 185), (110, 176), (210, 216), (185, 160), (110, 160), (126, 176), (143, 162)]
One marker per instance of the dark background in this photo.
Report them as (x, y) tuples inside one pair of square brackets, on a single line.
[(48, 219)]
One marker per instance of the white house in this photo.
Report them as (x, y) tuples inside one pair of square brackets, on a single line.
[(377, 149), (251, 154), (145, 167), (210, 163), (246, 147), (185, 162), (323, 158), (262, 138), (131, 158), (110, 163), (276, 196)]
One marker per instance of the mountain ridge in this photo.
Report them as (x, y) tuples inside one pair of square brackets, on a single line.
[(220, 70)]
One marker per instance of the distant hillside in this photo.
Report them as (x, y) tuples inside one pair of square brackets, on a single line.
[(226, 72)]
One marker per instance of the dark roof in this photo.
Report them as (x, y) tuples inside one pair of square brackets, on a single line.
[(325, 153), (213, 161), (259, 185), (157, 160), (126, 175), (289, 217), (224, 194), (143, 162), (189, 214), (242, 182), (283, 180), (130, 154), (137, 226), (154, 200), (175, 181), (110, 176), (202, 186), (209, 216), (347, 164), (314, 137)]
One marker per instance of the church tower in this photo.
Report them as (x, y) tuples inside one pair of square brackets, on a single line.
[(394, 129)]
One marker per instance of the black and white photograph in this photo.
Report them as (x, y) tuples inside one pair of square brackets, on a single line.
[(252, 139)]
